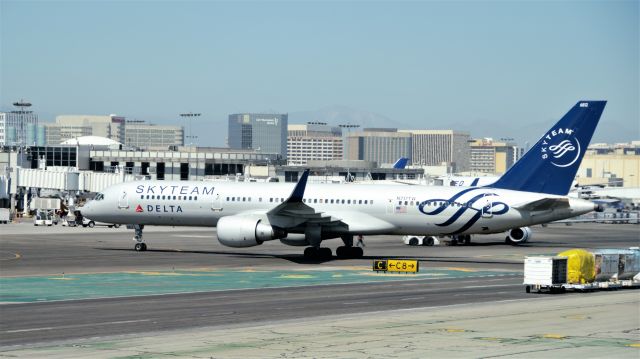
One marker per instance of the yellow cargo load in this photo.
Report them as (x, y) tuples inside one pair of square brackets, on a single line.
[(581, 266)]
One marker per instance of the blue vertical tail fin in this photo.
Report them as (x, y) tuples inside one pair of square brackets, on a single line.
[(551, 164), (401, 163)]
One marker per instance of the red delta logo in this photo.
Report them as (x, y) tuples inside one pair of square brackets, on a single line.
[(139, 209)]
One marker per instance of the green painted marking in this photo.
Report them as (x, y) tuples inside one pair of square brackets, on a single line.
[(101, 285)]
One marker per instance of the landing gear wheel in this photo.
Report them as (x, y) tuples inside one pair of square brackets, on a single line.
[(344, 252), (311, 252), (413, 242), (140, 247), (325, 253), (467, 240), (92, 224)]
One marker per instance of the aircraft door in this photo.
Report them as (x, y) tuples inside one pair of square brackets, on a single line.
[(487, 204), (123, 200), (390, 206), (216, 204)]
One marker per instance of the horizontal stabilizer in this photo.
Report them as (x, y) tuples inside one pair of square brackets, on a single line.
[(545, 204)]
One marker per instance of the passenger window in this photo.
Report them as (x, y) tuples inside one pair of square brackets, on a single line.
[(195, 198), (270, 199), (227, 199), (189, 198), (371, 202), (315, 200), (174, 198), (343, 201), (281, 199), (365, 201), (260, 199)]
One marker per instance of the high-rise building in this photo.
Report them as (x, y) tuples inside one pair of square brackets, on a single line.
[(313, 141), (72, 126), (489, 156), (382, 145), (19, 127), (143, 135), (437, 147), (266, 133)]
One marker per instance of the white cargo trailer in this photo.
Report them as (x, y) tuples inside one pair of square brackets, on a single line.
[(545, 273)]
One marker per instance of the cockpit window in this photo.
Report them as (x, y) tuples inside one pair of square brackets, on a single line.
[(99, 197)]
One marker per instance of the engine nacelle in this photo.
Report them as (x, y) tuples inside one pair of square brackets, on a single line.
[(246, 231), (519, 235)]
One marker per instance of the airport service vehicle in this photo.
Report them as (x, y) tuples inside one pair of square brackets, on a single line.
[(86, 222), (533, 191), (43, 218)]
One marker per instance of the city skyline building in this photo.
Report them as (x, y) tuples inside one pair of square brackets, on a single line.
[(382, 145), (20, 127), (73, 126), (438, 147), (490, 156), (313, 141), (266, 133), (145, 135)]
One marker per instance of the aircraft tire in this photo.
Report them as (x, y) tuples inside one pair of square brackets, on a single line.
[(325, 253), (356, 252), (413, 242), (92, 224), (310, 253), (140, 247)]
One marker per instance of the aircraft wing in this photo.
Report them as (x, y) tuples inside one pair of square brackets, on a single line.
[(294, 212), (545, 204)]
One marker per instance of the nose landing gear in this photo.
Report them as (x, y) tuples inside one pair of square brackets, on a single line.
[(140, 246)]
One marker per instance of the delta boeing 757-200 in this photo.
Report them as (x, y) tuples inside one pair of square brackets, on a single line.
[(533, 191)]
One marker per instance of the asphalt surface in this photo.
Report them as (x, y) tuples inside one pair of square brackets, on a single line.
[(29, 251)]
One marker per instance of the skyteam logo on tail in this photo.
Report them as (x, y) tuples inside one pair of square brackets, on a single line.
[(561, 147)]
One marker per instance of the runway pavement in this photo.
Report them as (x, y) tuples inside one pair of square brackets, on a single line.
[(143, 294)]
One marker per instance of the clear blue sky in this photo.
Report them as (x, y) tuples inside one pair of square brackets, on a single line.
[(494, 68)]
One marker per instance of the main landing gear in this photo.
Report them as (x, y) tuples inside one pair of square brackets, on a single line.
[(140, 246), (348, 250)]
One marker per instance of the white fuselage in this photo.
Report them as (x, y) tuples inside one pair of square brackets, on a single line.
[(366, 209)]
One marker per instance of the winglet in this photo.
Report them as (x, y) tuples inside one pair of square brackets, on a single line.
[(298, 191)]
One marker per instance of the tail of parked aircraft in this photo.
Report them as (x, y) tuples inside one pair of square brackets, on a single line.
[(401, 163), (551, 165)]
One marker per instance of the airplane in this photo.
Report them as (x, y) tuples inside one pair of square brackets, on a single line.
[(533, 191)]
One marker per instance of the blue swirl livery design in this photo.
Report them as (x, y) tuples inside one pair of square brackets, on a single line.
[(465, 208)]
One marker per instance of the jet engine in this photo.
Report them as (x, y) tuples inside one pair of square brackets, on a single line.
[(246, 231), (518, 235)]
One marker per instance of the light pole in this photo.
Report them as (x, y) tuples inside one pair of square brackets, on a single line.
[(190, 115)]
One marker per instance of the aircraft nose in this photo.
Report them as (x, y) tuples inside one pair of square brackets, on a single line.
[(85, 210)]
